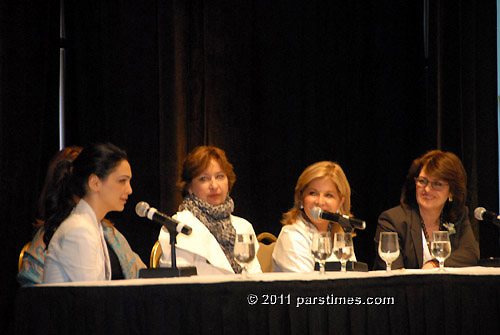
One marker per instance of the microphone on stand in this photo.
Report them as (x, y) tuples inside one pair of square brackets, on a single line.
[(480, 213), (344, 220), (143, 210), (348, 224)]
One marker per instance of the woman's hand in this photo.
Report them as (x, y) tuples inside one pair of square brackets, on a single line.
[(430, 265)]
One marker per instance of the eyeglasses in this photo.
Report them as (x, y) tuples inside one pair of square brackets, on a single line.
[(435, 185)]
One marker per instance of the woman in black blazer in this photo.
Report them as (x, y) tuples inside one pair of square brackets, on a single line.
[(432, 199)]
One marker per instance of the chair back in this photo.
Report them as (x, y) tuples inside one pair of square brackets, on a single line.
[(21, 255), (265, 253), (154, 260)]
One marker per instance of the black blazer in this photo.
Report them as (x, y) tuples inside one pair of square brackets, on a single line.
[(406, 222)]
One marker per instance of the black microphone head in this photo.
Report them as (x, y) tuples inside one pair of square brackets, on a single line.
[(186, 230), (315, 213), (479, 212), (141, 208)]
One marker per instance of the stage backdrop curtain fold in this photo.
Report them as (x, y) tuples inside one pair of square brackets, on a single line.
[(465, 63)]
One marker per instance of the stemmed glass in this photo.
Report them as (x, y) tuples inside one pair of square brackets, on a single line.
[(343, 248), (440, 247), (321, 248), (244, 251), (388, 248)]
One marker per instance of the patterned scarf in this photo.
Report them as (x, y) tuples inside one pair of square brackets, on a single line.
[(218, 221)]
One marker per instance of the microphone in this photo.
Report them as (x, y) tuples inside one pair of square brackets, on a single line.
[(481, 214), (344, 220), (143, 210)]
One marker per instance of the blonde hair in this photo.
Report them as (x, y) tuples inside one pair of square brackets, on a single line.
[(324, 169)]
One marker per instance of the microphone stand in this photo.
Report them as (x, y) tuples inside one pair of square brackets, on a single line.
[(490, 261), (493, 262), (172, 271), (173, 242)]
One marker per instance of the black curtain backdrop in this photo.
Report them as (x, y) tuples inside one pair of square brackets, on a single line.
[(278, 85), (29, 61)]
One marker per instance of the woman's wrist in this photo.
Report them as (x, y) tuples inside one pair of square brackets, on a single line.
[(434, 263)]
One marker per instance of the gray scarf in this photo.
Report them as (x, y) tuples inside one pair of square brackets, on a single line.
[(218, 221)]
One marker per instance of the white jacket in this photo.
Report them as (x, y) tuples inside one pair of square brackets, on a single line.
[(292, 252), (77, 250), (201, 249)]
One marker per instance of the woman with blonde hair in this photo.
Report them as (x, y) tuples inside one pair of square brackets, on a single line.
[(322, 184)]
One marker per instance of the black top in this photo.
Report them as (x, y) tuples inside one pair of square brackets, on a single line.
[(116, 269)]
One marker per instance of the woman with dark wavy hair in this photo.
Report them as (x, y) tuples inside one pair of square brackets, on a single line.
[(95, 183), (432, 199)]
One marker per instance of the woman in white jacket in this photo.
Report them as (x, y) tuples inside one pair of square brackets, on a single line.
[(77, 251), (324, 185), (206, 180)]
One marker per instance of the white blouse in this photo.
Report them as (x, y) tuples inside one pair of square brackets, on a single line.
[(292, 252)]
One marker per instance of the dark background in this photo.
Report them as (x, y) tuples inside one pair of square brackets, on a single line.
[(279, 85)]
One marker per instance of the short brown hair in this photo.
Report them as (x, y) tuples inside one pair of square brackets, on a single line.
[(441, 165), (198, 160)]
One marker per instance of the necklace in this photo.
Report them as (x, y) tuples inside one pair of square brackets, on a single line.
[(425, 230), (425, 234)]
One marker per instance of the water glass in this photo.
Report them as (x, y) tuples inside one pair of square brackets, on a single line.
[(440, 247), (388, 248), (343, 248), (321, 248), (244, 251)]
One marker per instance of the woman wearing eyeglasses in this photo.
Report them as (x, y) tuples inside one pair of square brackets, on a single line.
[(432, 199)]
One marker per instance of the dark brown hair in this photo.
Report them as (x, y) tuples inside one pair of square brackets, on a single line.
[(198, 160), (58, 170), (441, 165), (98, 159)]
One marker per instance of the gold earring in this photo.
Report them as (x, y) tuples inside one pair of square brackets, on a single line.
[(450, 198)]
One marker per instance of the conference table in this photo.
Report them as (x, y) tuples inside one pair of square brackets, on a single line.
[(456, 301)]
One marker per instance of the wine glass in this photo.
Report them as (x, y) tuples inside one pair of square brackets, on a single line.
[(321, 248), (388, 248), (440, 247), (244, 251), (343, 248)]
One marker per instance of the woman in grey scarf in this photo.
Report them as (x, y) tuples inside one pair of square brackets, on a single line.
[(206, 179)]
